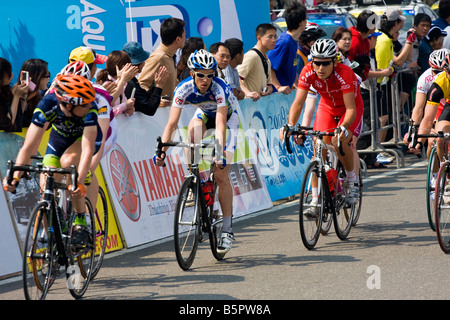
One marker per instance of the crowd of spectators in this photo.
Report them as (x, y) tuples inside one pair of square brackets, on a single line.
[(271, 65)]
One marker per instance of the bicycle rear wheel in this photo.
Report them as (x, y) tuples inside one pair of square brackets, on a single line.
[(81, 262), (442, 207), (101, 230), (186, 223), (433, 162), (39, 263), (344, 212), (310, 214)]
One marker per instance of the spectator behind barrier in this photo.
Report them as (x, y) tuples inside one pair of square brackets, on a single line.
[(391, 22), (221, 53), (444, 15), (433, 41), (343, 38), (254, 72), (120, 71), (283, 58), (421, 27), (146, 101), (39, 77), (191, 44), (236, 47), (173, 37), (12, 100)]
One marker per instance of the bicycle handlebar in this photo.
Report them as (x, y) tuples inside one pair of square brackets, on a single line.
[(39, 169), (308, 131), (159, 145), (413, 136)]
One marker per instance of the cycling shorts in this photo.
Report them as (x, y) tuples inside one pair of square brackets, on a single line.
[(232, 127), (443, 114), (333, 117), (58, 144)]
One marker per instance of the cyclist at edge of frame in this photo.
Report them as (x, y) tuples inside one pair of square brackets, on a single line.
[(440, 89), (215, 105), (340, 106), (72, 113)]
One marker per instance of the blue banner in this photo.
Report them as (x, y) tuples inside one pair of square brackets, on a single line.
[(50, 29), (282, 172)]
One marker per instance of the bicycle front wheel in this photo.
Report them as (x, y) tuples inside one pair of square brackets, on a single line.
[(433, 167), (39, 260), (215, 220), (344, 211), (101, 230), (186, 223), (442, 207), (358, 203), (311, 210), (81, 264)]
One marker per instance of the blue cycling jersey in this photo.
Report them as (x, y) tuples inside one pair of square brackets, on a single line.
[(48, 110), (219, 94)]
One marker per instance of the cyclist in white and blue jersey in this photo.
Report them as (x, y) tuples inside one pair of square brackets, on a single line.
[(216, 108)]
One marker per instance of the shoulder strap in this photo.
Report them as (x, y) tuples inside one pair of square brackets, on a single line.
[(263, 60)]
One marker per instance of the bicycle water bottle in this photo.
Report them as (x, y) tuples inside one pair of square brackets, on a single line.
[(208, 191), (332, 179)]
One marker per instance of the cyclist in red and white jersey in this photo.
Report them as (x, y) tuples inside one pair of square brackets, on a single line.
[(340, 104)]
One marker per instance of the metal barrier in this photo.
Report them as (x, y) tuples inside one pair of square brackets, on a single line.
[(396, 118)]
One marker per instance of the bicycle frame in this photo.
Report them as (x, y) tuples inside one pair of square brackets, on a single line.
[(199, 221), (194, 171)]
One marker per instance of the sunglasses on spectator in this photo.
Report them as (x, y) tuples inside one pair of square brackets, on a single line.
[(202, 75), (322, 63)]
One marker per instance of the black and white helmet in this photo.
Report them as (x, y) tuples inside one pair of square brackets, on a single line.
[(324, 48), (202, 59)]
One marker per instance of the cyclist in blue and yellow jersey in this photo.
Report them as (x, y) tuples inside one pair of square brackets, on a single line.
[(215, 104), (72, 113)]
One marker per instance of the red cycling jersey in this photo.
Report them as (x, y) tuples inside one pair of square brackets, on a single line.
[(343, 80)]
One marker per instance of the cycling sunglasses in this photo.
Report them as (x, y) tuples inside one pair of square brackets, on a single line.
[(202, 75), (322, 63)]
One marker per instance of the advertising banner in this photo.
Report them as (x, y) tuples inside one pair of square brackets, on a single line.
[(49, 30), (17, 211), (144, 195), (282, 172), (10, 253)]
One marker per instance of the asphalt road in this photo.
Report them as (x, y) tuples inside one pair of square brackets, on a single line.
[(391, 254)]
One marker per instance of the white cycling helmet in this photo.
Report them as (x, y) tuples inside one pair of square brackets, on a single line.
[(324, 48), (201, 59), (437, 58), (77, 67)]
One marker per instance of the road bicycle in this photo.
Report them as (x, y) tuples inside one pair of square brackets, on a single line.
[(432, 169), (47, 245), (442, 198), (333, 204), (101, 230), (195, 219)]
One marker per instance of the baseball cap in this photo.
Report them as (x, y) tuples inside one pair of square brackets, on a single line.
[(87, 55), (393, 14), (435, 32), (136, 52)]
